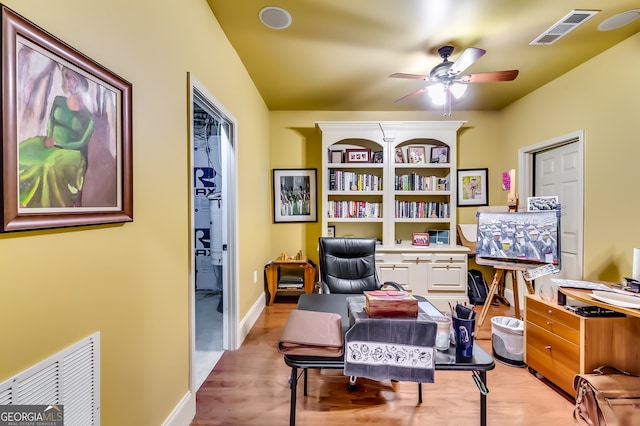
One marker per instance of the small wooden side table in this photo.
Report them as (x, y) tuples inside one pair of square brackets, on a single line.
[(273, 267)]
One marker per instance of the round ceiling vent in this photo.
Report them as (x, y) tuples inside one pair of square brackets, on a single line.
[(275, 17), (619, 20)]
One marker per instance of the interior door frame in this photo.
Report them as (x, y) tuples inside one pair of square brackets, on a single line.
[(230, 238), (526, 158)]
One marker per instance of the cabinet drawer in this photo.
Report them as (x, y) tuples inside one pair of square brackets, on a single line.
[(555, 358), (450, 257), (550, 324), (396, 273), (447, 277), (552, 313)]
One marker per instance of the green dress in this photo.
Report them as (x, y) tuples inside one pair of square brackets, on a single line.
[(53, 177)]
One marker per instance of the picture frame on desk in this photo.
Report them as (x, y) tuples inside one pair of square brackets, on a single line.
[(473, 187), (52, 177), (358, 155), (420, 239), (295, 196), (331, 231)]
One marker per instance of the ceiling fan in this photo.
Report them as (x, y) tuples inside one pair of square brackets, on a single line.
[(446, 78)]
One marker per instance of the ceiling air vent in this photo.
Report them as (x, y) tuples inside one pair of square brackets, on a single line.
[(564, 26)]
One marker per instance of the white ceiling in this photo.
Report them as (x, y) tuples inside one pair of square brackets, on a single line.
[(338, 54)]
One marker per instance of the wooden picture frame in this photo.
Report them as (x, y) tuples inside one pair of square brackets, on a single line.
[(295, 196), (473, 187), (357, 155), (420, 239), (439, 154), (335, 156), (416, 154), (54, 176)]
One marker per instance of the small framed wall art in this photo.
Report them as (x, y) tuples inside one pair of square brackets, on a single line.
[(473, 188), (295, 196)]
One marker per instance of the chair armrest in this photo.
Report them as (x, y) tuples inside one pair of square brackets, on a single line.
[(324, 288), (394, 285)]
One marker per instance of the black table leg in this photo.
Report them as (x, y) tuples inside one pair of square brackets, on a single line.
[(294, 386), (483, 400)]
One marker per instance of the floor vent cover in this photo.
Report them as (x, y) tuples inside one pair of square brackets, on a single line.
[(70, 378)]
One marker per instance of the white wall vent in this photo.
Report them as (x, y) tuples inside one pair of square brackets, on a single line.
[(70, 378), (564, 26)]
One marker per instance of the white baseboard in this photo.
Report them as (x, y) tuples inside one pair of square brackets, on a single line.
[(183, 413), (250, 319)]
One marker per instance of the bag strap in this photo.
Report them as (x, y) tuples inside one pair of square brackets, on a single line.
[(600, 370)]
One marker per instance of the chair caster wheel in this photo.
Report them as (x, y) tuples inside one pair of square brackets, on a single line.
[(351, 386)]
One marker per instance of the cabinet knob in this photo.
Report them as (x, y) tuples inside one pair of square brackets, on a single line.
[(548, 347), (550, 312), (447, 267), (417, 258), (549, 323), (451, 259)]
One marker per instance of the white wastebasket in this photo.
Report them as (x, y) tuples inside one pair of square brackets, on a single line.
[(507, 338)]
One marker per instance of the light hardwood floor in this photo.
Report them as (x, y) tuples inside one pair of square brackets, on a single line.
[(250, 387)]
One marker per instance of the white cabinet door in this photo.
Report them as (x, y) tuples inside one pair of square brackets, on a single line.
[(398, 273), (447, 277)]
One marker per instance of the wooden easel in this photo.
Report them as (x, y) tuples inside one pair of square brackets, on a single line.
[(497, 285), (496, 289)]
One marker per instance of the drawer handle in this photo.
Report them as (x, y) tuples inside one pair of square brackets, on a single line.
[(549, 323), (417, 258), (548, 347), (550, 312), (447, 267)]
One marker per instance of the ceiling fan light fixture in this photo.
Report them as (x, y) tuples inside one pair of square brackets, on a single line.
[(275, 17), (458, 90), (619, 20), (437, 93)]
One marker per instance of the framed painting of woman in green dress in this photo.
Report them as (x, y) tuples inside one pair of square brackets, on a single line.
[(66, 134)]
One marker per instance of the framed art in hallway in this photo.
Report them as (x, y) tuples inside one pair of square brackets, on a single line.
[(473, 188), (66, 134), (295, 195)]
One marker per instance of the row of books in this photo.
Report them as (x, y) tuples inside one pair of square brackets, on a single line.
[(350, 181), (354, 209), (422, 210), (415, 182)]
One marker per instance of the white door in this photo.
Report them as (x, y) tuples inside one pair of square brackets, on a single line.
[(555, 167)]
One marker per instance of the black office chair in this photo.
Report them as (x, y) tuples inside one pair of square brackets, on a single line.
[(348, 265)]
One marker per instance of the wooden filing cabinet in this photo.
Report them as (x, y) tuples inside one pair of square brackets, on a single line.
[(560, 344)]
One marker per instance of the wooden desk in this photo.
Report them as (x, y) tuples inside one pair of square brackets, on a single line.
[(585, 296), (560, 344), (271, 273)]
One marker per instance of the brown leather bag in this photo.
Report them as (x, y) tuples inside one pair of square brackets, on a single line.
[(607, 399), (312, 333)]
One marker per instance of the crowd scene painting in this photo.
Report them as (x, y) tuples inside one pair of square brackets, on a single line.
[(519, 236)]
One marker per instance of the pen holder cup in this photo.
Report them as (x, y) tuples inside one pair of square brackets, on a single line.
[(464, 329)]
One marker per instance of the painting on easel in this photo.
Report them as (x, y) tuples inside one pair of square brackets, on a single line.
[(519, 237)]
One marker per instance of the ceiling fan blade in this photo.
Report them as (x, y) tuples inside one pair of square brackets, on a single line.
[(412, 76), (464, 61), (488, 77), (411, 95)]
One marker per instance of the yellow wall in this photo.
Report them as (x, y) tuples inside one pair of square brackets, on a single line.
[(603, 98), (131, 281)]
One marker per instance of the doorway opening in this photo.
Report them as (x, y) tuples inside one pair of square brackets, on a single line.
[(213, 289), (556, 167)]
